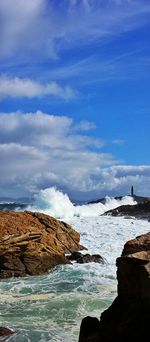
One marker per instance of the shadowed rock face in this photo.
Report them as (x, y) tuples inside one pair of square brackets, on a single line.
[(140, 211), (128, 318), (4, 333), (32, 243), (85, 258)]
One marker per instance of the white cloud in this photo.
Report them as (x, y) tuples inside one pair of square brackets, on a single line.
[(118, 141), (20, 22), (85, 126), (43, 130), (38, 150), (121, 177), (47, 27), (25, 87)]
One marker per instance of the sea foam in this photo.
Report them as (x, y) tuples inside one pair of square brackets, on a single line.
[(55, 203)]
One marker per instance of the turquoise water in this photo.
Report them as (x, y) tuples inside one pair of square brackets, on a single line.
[(51, 307)]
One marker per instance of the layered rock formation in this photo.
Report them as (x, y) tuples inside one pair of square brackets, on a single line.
[(32, 243), (128, 318), (140, 211)]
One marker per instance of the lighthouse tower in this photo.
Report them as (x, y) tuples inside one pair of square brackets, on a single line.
[(132, 191)]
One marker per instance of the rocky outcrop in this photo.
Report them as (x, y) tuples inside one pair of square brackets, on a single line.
[(140, 211), (32, 243), (127, 319), (85, 258), (139, 244), (5, 333)]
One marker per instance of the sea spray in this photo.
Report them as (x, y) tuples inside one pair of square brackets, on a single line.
[(55, 203)]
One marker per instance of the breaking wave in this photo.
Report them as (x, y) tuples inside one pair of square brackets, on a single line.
[(55, 203)]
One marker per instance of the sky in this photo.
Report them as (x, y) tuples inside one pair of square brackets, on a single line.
[(74, 97)]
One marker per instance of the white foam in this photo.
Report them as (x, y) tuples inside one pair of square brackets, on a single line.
[(55, 203)]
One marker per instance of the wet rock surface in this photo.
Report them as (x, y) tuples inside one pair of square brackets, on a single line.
[(32, 243), (85, 258), (139, 211), (4, 333), (128, 318)]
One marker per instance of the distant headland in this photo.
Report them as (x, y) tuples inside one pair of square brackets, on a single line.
[(138, 199)]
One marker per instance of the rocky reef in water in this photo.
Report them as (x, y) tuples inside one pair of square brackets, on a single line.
[(85, 258), (32, 243), (128, 318), (139, 211)]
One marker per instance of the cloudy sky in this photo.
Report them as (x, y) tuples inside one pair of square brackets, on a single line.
[(74, 97)]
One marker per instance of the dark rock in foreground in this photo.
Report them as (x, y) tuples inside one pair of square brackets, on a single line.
[(33, 243), (140, 211), (85, 258), (5, 332), (128, 318)]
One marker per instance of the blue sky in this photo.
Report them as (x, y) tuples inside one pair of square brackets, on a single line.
[(74, 97)]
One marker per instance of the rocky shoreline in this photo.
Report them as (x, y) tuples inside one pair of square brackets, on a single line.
[(32, 243), (139, 211), (127, 319)]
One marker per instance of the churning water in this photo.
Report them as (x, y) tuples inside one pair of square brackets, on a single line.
[(51, 307)]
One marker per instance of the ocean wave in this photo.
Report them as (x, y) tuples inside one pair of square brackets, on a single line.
[(55, 203)]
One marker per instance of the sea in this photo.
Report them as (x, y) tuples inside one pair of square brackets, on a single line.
[(51, 307)]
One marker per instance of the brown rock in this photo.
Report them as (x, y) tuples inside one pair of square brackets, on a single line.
[(140, 243), (32, 243), (5, 332), (128, 318)]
